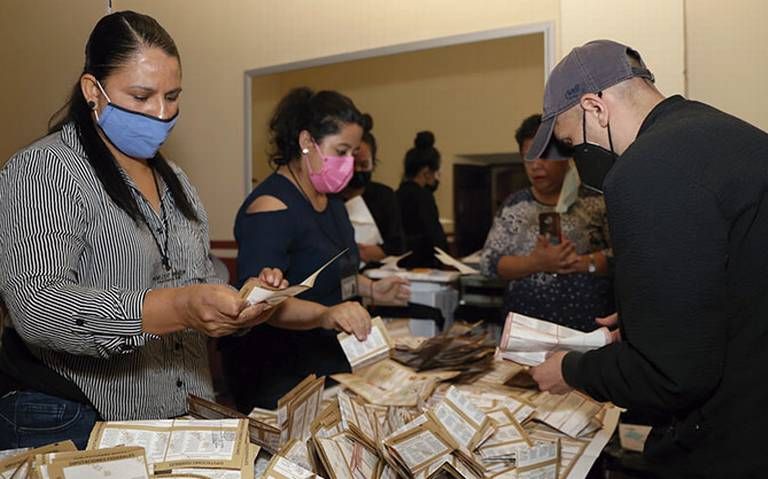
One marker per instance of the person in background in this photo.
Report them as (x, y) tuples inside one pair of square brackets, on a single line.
[(295, 221), (566, 283), (104, 254), (380, 200), (421, 219)]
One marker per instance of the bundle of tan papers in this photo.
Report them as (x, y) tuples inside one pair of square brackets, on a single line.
[(386, 421), (282, 468), (572, 414), (457, 438), (298, 408), (467, 350), (255, 291), (272, 429), (262, 429), (528, 341), (19, 463), (182, 444), (364, 353), (113, 463), (388, 383)]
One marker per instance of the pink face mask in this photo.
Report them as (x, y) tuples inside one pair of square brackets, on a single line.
[(335, 173)]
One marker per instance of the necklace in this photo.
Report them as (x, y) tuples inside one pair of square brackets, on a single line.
[(301, 188), (162, 249)]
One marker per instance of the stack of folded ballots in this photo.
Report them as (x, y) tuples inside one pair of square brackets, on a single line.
[(528, 341), (272, 429), (465, 349)]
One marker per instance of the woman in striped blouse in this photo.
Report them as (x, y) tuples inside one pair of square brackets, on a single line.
[(104, 266)]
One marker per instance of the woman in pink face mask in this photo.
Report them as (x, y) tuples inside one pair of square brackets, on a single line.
[(294, 221)]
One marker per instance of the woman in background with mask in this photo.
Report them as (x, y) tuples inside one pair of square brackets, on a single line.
[(104, 254), (380, 200), (421, 220), (563, 280), (294, 221)]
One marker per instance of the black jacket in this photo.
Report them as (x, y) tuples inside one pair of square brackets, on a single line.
[(382, 203), (688, 212), (421, 224)]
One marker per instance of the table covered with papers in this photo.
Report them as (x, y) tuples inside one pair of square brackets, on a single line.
[(447, 406)]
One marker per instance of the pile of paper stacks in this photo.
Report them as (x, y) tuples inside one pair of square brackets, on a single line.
[(385, 420), (465, 349), (144, 449)]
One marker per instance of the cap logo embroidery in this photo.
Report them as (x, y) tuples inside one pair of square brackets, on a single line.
[(573, 92)]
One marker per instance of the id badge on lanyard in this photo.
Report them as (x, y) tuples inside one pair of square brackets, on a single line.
[(348, 274)]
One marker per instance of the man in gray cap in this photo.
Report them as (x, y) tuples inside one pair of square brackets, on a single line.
[(686, 189)]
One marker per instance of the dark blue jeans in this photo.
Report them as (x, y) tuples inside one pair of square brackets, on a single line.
[(31, 419)]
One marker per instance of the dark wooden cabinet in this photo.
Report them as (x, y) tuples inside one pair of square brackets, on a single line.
[(479, 188)]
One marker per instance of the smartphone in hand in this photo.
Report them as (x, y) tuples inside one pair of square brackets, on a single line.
[(549, 224)]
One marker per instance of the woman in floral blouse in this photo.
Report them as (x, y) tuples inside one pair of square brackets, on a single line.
[(566, 283)]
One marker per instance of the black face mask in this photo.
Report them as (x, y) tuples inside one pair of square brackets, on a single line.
[(433, 186), (360, 179), (593, 162)]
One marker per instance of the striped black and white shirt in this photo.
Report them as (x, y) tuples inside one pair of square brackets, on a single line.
[(74, 270)]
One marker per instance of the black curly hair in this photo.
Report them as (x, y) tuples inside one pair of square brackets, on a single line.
[(320, 113)]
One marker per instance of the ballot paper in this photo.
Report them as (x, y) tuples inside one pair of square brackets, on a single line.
[(281, 468), (255, 291), (419, 447), (111, 463), (425, 275), (528, 341), (390, 262), (540, 461), (366, 231), (465, 422), (388, 383), (343, 456), (570, 413), (328, 422), (364, 353), (449, 260), (262, 429), (247, 472), (358, 419), (18, 463), (296, 451), (179, 443), (298, 408)]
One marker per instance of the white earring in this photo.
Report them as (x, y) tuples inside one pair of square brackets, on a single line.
[(305, 151)]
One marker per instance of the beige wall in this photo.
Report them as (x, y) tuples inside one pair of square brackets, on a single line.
[(219, 41), (41, 57), (727, 56), (654, 28), (41, 44), (471, 96)]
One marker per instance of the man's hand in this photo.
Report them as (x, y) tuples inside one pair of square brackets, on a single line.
[(611, 322), (549, 374)]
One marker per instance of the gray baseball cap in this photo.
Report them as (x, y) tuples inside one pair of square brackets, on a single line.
[(590, 68)]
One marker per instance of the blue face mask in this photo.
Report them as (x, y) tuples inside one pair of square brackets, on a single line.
[(135, 134)]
